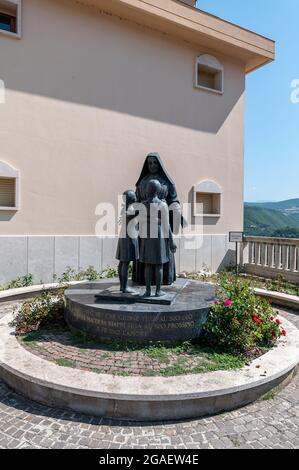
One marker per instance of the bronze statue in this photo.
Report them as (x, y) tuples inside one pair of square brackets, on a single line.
[(156, 241), (153, 169), (127, 248)]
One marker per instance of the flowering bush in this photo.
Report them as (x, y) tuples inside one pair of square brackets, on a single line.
[(47, 308), (239, 320)]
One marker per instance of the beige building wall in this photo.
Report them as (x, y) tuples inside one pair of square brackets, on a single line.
[(88, 95)]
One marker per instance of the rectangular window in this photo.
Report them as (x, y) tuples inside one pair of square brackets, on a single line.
[(208, 77), (209, 73), (7, 192), (8, 23), (207, 204), (10, 11)]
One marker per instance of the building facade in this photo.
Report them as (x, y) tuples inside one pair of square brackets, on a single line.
[(88, 89)]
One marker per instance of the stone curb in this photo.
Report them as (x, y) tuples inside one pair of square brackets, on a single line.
[(144, 398), (25, 292), (286, 300)]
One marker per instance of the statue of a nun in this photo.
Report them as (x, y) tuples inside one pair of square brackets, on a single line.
[(153, 168)]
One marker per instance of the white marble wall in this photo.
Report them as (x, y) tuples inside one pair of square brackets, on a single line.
[(44, 256)]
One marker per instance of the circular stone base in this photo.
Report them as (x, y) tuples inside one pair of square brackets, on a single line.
[(128, 320), (144, 398)]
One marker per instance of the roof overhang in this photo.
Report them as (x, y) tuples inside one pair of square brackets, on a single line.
[(195, 26)]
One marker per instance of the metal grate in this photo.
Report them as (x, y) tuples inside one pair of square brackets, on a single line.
[(7, 192)]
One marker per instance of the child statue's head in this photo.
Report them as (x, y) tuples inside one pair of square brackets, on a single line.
[(153, 188), (129, 197)]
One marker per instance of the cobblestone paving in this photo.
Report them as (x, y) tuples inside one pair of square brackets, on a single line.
[(271, 423)]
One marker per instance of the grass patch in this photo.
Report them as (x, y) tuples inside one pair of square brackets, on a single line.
[(224, 361), (208, 362), (160, 354), (180, 367), (80, 338), (33, 337), (149, 373), (32, 344), (269, 396), (105, 356), (62, 362), (121, 374)]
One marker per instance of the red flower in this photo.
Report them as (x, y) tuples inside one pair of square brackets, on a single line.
[(256, 319), (278, 322), (284, 333), (273, 334), (227, 303), (216, 302), (270, 301), (272, 318)]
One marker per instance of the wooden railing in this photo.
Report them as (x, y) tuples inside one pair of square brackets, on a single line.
[(269, 257)]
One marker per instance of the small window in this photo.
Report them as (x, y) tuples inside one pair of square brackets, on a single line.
[(209, 74), (208, 204), (10, 16), (8, 23), (9, 187), (207, 199), (7, 192)]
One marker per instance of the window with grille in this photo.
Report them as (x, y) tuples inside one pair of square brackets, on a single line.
[(10, 11), (9, 187), (209, 74), (7, 192)]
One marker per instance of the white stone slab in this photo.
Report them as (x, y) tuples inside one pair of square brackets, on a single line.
[(66, 254), (91, 253), (13, 258), (109, 252), (219, 252), (204, 254), (41, 258), (188, 246)]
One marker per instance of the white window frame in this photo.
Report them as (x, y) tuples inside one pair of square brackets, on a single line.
[(214, 64), (7, 171), (18, 34)]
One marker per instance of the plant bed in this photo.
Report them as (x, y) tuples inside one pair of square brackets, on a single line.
[(77, 351), (140, 397), (239, 328)]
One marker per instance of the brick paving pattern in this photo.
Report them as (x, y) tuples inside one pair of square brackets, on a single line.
[(271, 423), (62, 348)]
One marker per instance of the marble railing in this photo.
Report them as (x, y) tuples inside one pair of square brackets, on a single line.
[(269, 257)]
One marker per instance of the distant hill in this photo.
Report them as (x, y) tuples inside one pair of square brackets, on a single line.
[(289, 208), (282, 205), (272, 219)]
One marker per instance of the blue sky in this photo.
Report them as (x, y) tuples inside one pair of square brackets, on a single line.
[(272, 120)]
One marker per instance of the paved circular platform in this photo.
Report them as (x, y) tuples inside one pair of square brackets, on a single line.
[(143, 398), (126, 320), (269, 423)]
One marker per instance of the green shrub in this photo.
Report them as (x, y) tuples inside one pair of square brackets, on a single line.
[(109, 273), (239, 320), (89, 274), (46, 309), (22, 281)]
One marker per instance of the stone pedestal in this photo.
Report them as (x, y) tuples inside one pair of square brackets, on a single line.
[(107, 318)]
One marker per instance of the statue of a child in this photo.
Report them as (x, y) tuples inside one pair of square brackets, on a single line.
[(156, 238), (128, 247)]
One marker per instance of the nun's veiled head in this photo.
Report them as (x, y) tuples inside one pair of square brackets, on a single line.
[(153, 164)]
